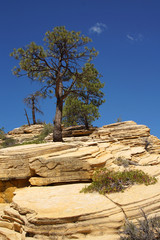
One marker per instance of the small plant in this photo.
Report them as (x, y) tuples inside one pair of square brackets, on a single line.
[(119, 119), (105, 181), (6, 141), (146, 229), (48, 128), (122, 162), (2, 133)]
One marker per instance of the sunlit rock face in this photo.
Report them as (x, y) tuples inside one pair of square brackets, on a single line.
[(60, 211)]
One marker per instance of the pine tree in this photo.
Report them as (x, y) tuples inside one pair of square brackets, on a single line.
[(57, 65), (82, 106)]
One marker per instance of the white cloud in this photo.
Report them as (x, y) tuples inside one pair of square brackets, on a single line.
[(130, 37), (98, 28), (135, 37)]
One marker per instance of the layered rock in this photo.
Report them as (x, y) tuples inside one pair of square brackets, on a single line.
[(25, 133), (128, 133), (28, 133), (62, 212), (113, 146)]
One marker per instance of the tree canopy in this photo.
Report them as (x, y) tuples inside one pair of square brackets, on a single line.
[(57, 66), (81, 106)]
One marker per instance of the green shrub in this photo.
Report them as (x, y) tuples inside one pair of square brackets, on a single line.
[(8, 142), (2, 133), (146, 229), (48, 128), (122, 162), (105, 181)]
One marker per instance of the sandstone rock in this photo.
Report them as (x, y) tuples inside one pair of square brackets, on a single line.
[(25, 133), (121, 131), (14, 160), (34, 129), (63, 211), (138, 197), (69, 166), (75, 133), (6, 234), (75, 161)]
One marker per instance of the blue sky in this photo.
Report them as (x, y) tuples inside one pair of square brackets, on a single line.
[(125, 32)]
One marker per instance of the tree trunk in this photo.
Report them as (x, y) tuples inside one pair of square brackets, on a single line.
[(86, 122), (57, 131), (27, 117), (33, 110)]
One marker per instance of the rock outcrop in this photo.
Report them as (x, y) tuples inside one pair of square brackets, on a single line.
[(25, 133), (28, 133), (62, 212)]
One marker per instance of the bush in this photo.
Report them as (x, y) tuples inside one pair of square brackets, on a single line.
[(2, 133), (105, 181), (8, 142), (146, 229), (122, 162), (48, 128)]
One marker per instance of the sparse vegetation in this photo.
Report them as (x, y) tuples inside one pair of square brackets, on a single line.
[(6, 142), (146, 229), (2, 133), (105, 181), (120, 161), (48, 128)]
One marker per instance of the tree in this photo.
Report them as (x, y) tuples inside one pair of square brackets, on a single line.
[(57, 65), (81, 107), (32, 102)]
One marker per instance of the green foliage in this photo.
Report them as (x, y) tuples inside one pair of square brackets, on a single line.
[(48, 128), (122, 162), (57, 66), (81, 106), (59, 57), (2, 133), (8, 142), (105, 181), (119, 119), (146, 229)]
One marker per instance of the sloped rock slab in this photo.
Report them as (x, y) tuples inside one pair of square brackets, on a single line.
[(63, 211), (137, 198)]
